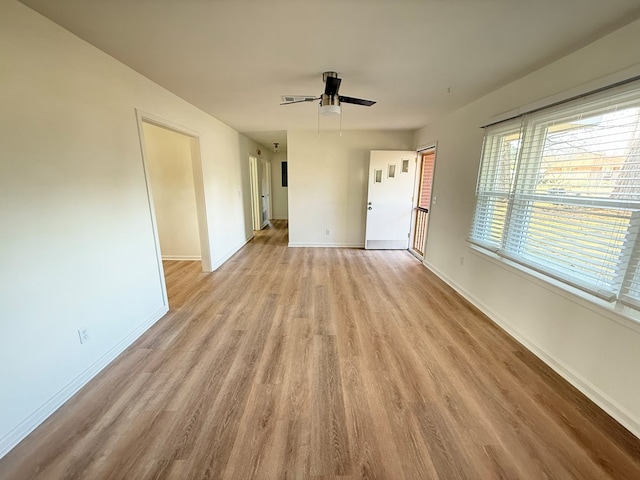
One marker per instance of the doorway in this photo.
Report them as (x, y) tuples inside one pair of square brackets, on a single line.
[(420, 224), (256, 208), (389, 199), (260, 179), (175, 190), (266, 192)]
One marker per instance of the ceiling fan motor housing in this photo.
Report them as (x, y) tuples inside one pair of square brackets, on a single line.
[(329, 100), (326, 75), (329, 104)]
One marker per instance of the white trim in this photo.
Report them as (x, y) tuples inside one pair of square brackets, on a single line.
[(621, 315), (181, 258), (427, 146), (600, 398), (198, 184), (270, 187), (230, 253), (152, 212), (201, 204), (326, 245), (254, 187), (415, 254), (163, 122), (29, 424)]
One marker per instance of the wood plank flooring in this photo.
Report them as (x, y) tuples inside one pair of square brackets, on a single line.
[(294, 363)]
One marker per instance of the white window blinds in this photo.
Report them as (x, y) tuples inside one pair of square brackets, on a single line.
[(495, 181), (559, 191)]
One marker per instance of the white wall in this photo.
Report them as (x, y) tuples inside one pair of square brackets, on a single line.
[(77, 245), (328, 183), (597, 350), (279, 194), (170, 170)]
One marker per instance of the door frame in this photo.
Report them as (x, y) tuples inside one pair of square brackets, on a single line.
[(198, 183), (267, 172), (392, 241), (254, 182), (416, 196)]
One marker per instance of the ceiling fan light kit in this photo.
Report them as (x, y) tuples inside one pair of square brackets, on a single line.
[(329, 105), (330, 110)]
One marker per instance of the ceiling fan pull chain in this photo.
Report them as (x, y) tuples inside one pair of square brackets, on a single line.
[(318, 120), (341, 122)]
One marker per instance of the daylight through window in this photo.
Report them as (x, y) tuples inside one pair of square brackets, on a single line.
[(559, 192)]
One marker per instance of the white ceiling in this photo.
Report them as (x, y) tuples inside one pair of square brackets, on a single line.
[(235, 58)]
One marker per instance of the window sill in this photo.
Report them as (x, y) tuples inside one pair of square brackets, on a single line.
[(618, 313)]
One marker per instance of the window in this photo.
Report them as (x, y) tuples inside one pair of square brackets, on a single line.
[(559, 192)]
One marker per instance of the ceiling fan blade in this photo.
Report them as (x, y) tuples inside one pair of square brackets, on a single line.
[(296, 101), (356, 101), (332, 86), (287, 99)]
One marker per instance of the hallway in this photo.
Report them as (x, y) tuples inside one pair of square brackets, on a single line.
[(323, 363)]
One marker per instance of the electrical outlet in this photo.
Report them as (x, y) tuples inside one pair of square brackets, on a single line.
[(327, 232), (83, 333), (461, 260)]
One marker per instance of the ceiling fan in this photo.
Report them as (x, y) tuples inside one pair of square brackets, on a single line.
[(330, 100)]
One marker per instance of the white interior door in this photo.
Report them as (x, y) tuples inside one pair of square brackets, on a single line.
[(389, 202)]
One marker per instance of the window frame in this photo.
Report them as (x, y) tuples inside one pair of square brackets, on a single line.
[(522, 194)]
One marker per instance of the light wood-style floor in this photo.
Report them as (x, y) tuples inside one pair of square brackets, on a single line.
[(294, 363)]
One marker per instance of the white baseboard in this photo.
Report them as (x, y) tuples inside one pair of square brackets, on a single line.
[(327, 245), (218, 262), (30, 423), (596, 395), (182, 257)]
